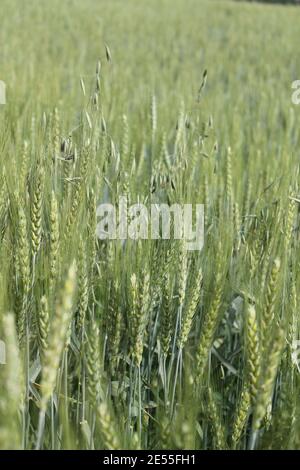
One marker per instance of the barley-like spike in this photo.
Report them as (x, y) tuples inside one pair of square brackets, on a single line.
[(253, 352), (210, 323), (54, 240), (83, 289), (76, 198), (268, 311), (125, 138), (93, 363), (241, 417), (36, 212), (190, 310), (153, 115), (43, 323), (215, 419), (108, 428), (166, 326), (228, 184), (92, 225), (182, 273), (24, 266), (267, 379), (59, 327), (140, 305), (24, 163), (289, 224)]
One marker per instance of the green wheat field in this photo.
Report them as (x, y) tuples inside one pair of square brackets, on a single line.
[(143, 344)]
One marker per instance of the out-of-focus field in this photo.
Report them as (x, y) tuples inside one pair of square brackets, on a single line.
[(250, 51)]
